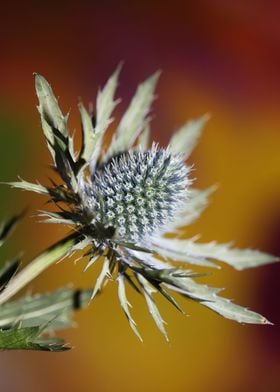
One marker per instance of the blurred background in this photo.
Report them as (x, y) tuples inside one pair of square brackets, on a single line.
[(217, 56)]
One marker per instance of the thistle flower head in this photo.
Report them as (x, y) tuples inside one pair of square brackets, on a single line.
[(123, 200), (137, 193)]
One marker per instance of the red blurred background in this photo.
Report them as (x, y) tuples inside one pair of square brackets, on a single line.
[(221, 57)]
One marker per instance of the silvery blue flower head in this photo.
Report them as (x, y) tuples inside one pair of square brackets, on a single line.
[(122, 200), (136, 194)]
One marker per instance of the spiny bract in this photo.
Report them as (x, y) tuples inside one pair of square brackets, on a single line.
[(27, 322), (122, 201)]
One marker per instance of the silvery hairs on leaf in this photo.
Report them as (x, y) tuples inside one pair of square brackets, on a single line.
[(123, 200)]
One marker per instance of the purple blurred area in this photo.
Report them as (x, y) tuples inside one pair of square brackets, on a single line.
[(221, 57)]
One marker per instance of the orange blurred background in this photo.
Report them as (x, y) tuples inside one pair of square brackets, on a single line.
[(217, 56)]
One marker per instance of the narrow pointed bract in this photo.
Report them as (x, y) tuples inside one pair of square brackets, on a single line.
[(184, 140), (123, 201), (125, 304), (105, 104), (26, 321), (149, 290), (135, 118)]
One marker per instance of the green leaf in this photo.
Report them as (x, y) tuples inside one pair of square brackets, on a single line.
[(148, 291), (89, 136), (64, 163), (146, 260), (105, 273), (92, 260), (37, 266), (169, 297), (105, 105), (51, 115), (238, 258), (131, 245), (71, 148), (135, 118), (105, 102), (204, 294), (125, 304), (28, 186), (131, 282), (185, 139), (235, 312), (160, 275), (54, 309), (52, 217), (55, 129), (208, 297), (178, 250), (30, 338), (93, 136), (189, 251)]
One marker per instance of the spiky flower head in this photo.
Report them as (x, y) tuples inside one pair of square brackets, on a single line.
[(137, 193), (122, 201)]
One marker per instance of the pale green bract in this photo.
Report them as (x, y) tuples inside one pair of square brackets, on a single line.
[(135, 118), (107, 190), (26, 322), (184, 140)]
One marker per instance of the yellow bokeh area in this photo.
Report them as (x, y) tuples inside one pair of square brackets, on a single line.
[(217, 57)]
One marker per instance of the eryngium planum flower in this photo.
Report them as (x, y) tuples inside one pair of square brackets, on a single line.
[(137, 193), (122, 200)]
